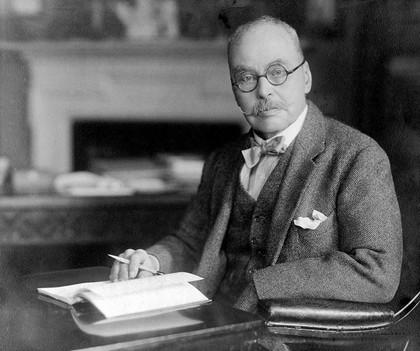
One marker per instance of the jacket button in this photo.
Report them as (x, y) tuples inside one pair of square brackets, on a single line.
[(260, 252), (252, 271), (258, 218)]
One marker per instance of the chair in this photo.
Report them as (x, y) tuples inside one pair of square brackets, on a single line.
[(332, 315), (321, 324)]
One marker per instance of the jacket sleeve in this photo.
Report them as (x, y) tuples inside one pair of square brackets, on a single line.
[(181, 251), (366, 266)]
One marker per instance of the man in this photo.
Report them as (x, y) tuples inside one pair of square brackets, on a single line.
[(251, 231)]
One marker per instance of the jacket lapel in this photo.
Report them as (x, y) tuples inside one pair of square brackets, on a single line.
[(309, 144), (225, 185), (213, 261)]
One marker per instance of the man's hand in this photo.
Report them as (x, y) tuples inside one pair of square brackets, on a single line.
[(122, 271)]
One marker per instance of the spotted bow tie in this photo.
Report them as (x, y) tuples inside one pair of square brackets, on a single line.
[(274, 147)]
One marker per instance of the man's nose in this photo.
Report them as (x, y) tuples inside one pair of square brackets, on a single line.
[(264, 87)]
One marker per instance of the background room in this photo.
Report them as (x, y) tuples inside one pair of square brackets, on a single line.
[(138, 91)]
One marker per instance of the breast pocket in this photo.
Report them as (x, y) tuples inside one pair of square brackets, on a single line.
[(319, 241)]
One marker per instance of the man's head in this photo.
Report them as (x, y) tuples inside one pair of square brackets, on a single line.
[(258, 48)]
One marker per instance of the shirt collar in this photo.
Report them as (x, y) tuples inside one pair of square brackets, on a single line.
[(290, 132)]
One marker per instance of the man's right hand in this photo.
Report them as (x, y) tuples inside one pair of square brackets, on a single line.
[(122, 271)]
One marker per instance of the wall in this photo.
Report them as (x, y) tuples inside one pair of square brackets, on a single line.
[(328, 38), (14, 128), (388, 74), (164, 81)]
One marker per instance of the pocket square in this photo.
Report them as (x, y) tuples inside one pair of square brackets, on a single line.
[(311, 223)]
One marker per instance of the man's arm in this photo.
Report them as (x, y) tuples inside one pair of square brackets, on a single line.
[(366, 266), (181, 251)]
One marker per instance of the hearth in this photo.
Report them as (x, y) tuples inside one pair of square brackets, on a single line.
[(112, 139)]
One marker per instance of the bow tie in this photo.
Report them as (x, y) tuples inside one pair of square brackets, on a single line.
[(274, 147)]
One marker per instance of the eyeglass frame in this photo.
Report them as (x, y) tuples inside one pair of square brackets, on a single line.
[(265, 76)]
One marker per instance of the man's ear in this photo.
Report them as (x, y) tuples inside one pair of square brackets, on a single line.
[(308, 77)]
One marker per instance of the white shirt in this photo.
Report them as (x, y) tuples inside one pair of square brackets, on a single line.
[(253, 179)]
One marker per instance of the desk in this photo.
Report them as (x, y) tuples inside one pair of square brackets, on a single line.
[(48, 232), (29, 323)]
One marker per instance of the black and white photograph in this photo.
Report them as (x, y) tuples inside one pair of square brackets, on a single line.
[(210, 175)]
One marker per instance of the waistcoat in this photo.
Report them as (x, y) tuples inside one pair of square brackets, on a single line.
[(245, 241)]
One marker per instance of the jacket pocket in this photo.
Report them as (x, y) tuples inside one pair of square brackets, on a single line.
[(319, 241)]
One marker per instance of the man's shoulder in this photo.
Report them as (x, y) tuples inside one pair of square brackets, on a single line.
[(352, 142), (344, 136), (340, 132), (343, 139)]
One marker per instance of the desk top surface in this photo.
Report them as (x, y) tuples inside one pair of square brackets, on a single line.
[(32, 322), (29, 322)]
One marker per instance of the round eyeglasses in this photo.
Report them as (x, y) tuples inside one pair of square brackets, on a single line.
[(276, 74)]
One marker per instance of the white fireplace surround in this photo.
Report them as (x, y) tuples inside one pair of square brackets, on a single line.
[(187, 81)]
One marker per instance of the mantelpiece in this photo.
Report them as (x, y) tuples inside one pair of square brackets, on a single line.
[(156, 80)]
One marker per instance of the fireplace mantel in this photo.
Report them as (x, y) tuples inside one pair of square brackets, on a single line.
[(160, 80), (122, 48)]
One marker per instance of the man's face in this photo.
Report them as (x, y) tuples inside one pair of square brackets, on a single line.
[(277, 107)]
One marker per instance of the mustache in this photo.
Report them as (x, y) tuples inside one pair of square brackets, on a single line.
[(265, 105)]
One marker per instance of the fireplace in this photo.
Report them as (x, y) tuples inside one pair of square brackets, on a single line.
[(111, 139), (179, 90)]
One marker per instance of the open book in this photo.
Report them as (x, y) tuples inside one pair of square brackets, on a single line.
[(147, 295)]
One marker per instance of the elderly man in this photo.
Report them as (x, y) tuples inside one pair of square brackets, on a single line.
[(301, 206)]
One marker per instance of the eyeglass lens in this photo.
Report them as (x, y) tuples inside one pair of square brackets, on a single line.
[(275, 74)]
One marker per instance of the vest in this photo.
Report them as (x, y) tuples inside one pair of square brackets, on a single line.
[(245, 241)]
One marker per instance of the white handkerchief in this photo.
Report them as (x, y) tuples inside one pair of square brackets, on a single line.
[(311, 223)]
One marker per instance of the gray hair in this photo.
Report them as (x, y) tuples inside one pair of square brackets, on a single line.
[(242, 29)]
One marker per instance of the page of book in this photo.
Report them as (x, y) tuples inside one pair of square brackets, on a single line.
[(68, 293), (156, 293), (135, 285), (157, 300)]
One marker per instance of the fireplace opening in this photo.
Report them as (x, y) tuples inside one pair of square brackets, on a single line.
[(113, 139)]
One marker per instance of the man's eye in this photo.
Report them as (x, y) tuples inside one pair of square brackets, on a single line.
[(246, 78), (277, 71)]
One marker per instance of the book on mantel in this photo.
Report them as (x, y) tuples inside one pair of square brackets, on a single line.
[(154, 294)]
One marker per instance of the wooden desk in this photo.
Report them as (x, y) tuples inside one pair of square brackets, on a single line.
[(50, 232), (29, 323)]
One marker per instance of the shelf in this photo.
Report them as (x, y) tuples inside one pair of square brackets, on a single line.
[(183, 48), (54, 202), (50, 219)]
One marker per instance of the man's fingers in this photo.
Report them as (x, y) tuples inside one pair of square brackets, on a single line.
[(127, 253), (137, 258), (119, 271), (122, 271), (114, 271)]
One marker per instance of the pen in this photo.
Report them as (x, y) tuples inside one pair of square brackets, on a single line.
[(143, 268)]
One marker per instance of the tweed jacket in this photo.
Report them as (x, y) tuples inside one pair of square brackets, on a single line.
[(355, 254)]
